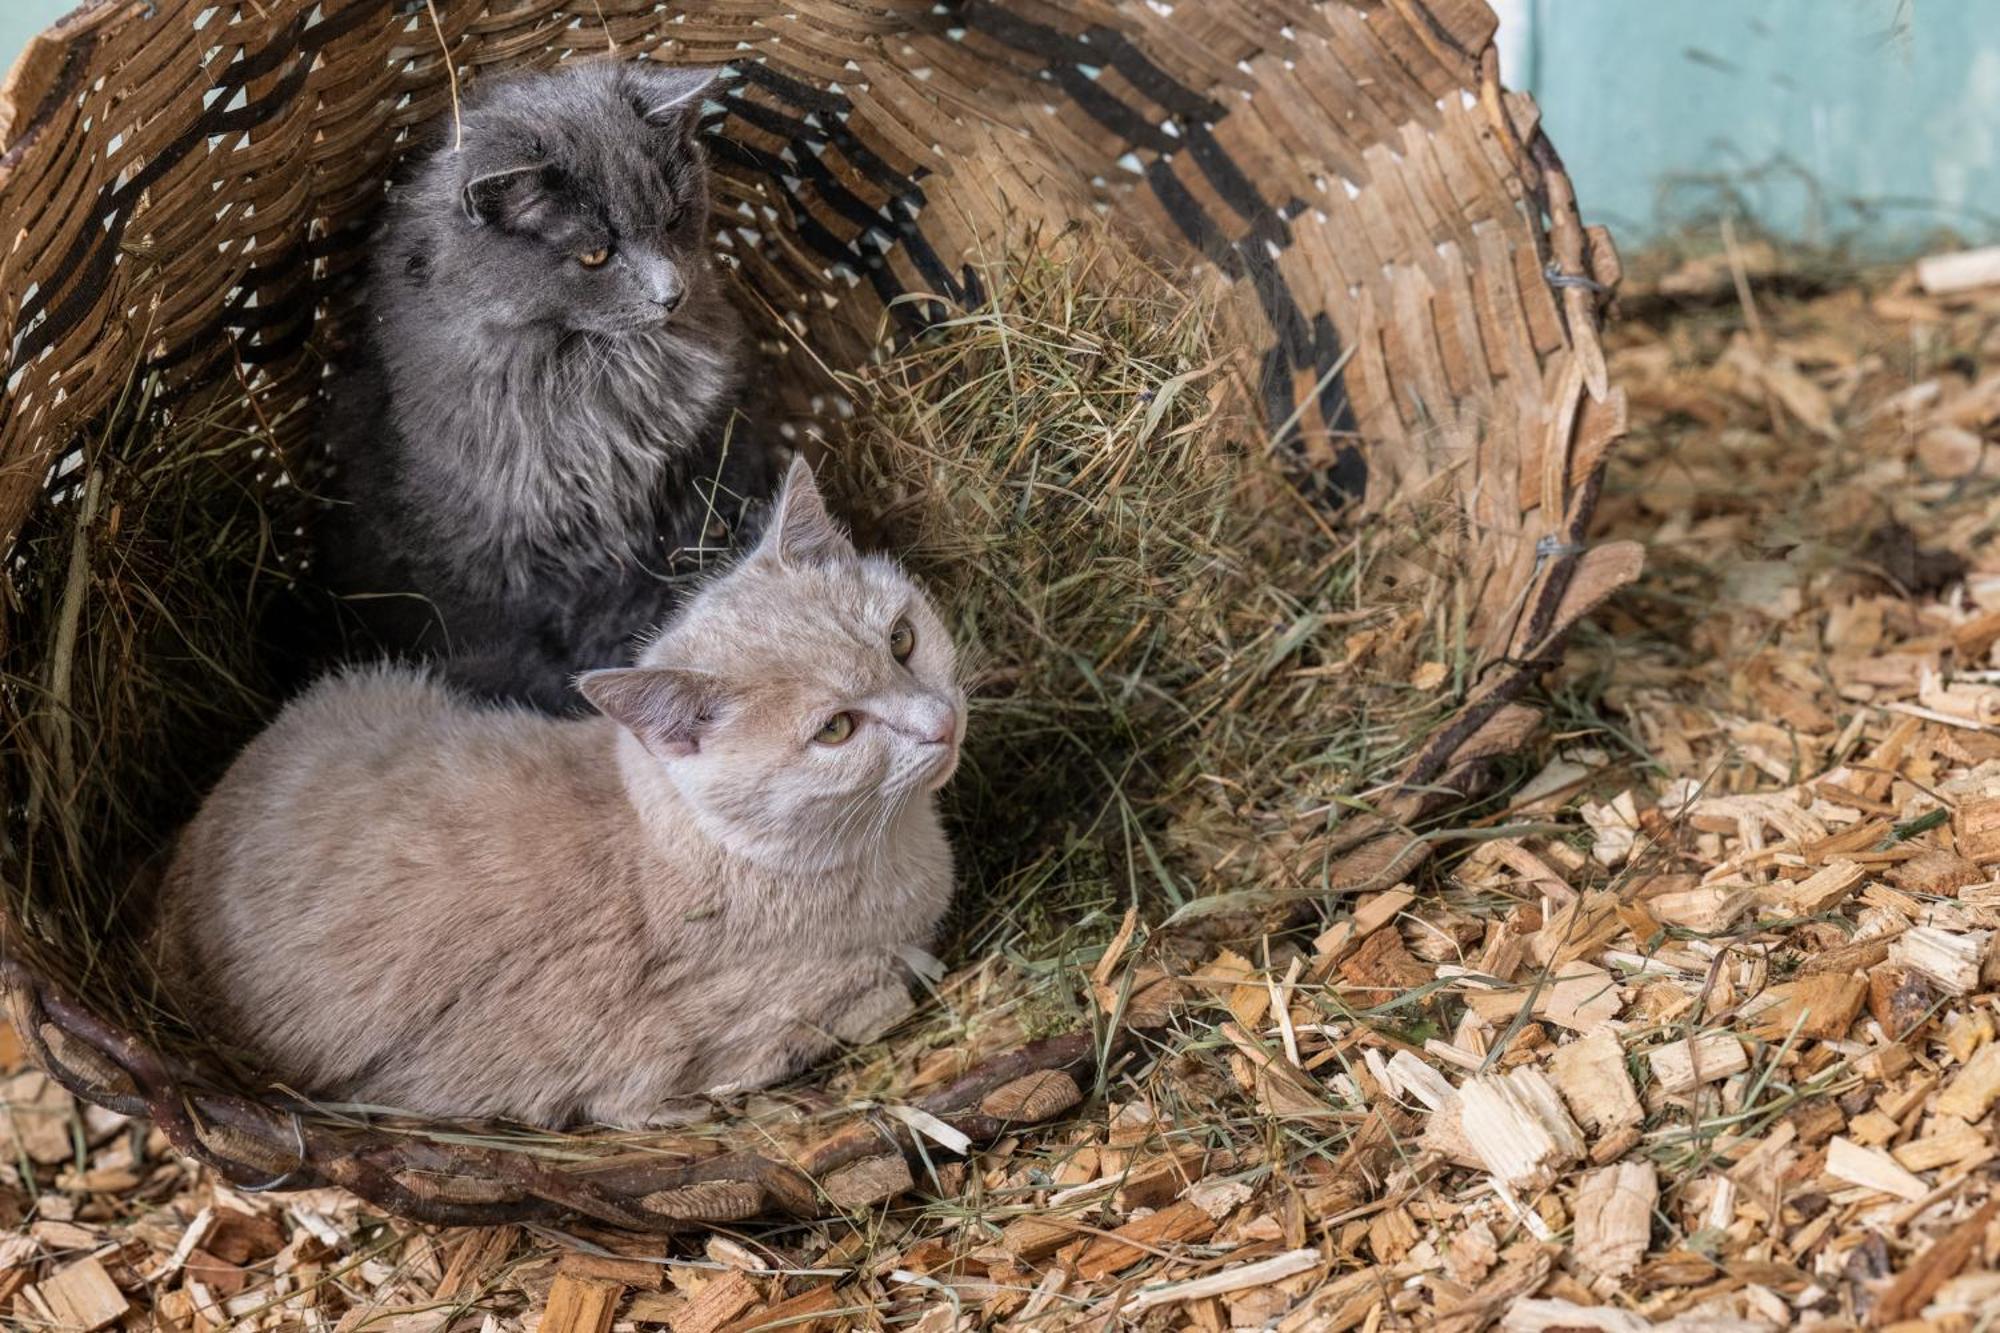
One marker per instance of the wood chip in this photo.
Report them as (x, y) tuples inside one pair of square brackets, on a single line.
[(1237, 1278), (1976, 826), (1821, 891), (791, 1316), (1175, 1224), (1684, 1066), (1821, 1007), (1959, 271), (1948, 959), (1916, 1284), (1591, 1074), (82, 1298), (1518, 1126), (1972, 1091), (1614, 1217), (721, 1299), (1873, 1169)]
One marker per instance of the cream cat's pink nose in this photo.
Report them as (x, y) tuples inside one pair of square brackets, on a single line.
[(931, 722), (939, 728)]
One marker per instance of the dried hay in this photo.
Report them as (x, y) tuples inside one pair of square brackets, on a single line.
[(138, 602), (1185, 678), (1765, 1117)]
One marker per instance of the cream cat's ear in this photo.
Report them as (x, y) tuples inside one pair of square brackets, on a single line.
[(668, 710), (801, 531)]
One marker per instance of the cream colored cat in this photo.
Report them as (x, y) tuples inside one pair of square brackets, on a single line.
[(400, 898)]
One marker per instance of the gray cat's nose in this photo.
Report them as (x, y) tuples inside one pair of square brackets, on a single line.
[(664, 287)]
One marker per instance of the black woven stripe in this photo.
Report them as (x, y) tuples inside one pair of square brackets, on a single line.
[(1334, 405), (816, 235), (807, 167), (1186, 213), (1139, 69), (773, 121), (1286, 319), (1024, 35), (1235, 188), (925, 257), (793, 90), (1300, 343), (93, 266), (1094, 101)]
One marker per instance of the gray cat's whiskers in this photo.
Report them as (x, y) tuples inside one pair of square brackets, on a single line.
[(517, 440)]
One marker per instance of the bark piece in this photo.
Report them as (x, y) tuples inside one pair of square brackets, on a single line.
[(1899, 998), (869, 1181), (1382, 968)]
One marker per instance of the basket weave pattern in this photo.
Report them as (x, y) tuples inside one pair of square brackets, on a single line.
[(1415, 301)]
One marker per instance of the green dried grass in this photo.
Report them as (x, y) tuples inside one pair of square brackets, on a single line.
[(130, 671), (1185, 680), (1158, 623)]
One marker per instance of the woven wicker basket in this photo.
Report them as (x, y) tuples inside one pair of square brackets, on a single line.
[(184, 181)]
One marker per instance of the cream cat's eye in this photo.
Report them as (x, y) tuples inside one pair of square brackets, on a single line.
[(836, 731), (902, 641), (594, 258)]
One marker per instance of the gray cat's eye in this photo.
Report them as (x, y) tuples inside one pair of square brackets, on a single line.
[(902, 641), (594, 258), (836, 731)]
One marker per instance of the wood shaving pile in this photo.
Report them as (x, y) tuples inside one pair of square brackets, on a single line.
[(1701, 1034)]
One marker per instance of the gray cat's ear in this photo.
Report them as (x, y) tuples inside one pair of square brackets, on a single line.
[(802, 532), (668, 710), (508, 194), (671, 94)]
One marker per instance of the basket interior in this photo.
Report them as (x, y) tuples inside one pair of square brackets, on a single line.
[(193, 183)]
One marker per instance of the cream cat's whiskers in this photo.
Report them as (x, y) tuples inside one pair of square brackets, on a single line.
[(400, 898)]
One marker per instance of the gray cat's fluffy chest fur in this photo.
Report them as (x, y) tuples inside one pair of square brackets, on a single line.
[(541, 448), (533, 454)]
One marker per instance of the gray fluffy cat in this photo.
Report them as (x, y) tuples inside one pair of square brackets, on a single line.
[(538, 442), (399, 898)]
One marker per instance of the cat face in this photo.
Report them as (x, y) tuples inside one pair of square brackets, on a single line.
[(805, 699), (577, 199)]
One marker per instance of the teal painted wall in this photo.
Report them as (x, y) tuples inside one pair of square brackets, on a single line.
[(1869, 120), (22, 19)]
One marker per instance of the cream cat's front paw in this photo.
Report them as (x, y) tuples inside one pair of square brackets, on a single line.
[(873, 1014)]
